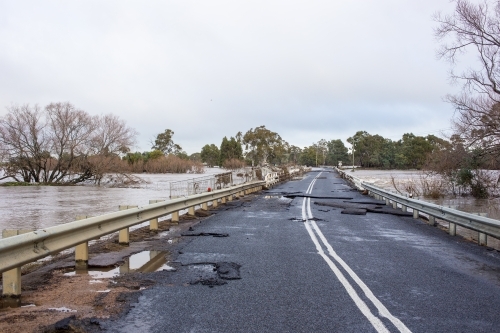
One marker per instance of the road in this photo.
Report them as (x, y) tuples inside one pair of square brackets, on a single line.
[(290, 265)]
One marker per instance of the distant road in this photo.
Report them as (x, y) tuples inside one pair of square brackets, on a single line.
[(289, 265)]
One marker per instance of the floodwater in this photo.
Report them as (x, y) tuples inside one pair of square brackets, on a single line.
[(144, 261), (383, 179), (38, 207)]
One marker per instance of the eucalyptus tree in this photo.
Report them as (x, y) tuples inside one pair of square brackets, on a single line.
[(166, 144), (230, 149), (262, 145), (210, 154)]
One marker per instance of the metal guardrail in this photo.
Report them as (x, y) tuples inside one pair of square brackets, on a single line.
[(483, 225), (22, 249)]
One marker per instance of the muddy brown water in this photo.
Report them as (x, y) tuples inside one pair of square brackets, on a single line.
[(382, 178), (38, 207)]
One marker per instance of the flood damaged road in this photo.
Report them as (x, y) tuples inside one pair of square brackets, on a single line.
[(281, 263)]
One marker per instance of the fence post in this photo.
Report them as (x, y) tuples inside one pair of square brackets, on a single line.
[(81, 251), (153, 224), (124, 234), (12, 278)]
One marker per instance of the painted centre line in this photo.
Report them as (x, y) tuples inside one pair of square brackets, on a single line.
[(315, 232)]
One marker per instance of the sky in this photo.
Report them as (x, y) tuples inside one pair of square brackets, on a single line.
[(308, 70)]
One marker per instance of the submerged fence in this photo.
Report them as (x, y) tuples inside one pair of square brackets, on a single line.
[(210, 183)]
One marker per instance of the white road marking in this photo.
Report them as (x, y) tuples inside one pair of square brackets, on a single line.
[(311, 228)]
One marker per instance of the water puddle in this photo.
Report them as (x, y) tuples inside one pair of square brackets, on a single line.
[(63, 309), (145, 262)]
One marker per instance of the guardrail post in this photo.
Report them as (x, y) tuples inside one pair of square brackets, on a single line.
[(432, 220), (204, 206), (191, 211), (124, 234), (215, 203), (387, 202), (394, 204), (230, 197), (81, 251), (415, 213), (153, 224), (404, 208), (175, 218), (452, 230), (223, 200), (482, 239), (11, 279), (242, 194)]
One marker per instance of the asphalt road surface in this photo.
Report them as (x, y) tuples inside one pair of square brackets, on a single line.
[(291, 265)]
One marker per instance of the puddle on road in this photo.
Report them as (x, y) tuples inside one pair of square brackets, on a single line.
[(145, 262)]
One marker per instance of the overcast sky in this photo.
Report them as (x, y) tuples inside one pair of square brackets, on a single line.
[(208, 69)]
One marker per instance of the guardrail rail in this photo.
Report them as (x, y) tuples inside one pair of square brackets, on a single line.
[(483, 225), (21, 249)]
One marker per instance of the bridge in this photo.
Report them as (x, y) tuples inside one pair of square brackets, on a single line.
[(309, 255)]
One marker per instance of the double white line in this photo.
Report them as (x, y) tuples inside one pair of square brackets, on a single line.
[(313, 230)]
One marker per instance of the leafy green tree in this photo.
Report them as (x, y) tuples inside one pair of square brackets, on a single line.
[(262, 145), (415, 149), (337, 151), (294, 154), (230, 149), (308, 156), (196, 157), (155, 154), (164, 143), (210, 154), (367, 148)]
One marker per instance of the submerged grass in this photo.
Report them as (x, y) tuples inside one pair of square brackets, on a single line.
[(16, 184)]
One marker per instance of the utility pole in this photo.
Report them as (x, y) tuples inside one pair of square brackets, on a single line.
[(316, 155)]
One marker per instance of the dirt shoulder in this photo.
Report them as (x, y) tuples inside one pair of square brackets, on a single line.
[(56, 298)]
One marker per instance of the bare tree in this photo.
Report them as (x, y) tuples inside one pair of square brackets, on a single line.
[(60, 144), (474, 28)]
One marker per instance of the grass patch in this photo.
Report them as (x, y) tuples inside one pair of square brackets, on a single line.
[(16, 184)]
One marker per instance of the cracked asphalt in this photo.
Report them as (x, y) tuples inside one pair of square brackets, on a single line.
[(268, 275)]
